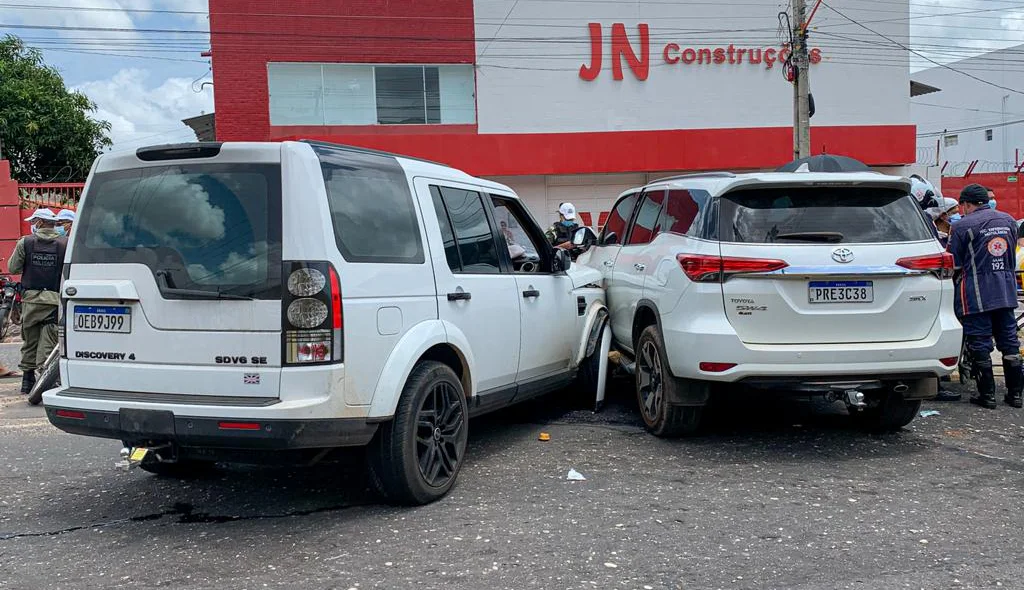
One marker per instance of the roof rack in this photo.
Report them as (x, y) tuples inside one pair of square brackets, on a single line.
[(696, 175), (355, 148)]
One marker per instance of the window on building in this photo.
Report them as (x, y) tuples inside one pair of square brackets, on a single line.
[(988, 135), (358, 94), (951, 140)]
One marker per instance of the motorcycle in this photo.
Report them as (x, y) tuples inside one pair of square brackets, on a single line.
[(10, 305), (48, 377)]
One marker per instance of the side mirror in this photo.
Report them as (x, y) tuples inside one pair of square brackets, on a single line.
[(562, 260), (584, 237), (610, 239)]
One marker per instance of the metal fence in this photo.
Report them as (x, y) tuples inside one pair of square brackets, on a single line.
[(56, 195)]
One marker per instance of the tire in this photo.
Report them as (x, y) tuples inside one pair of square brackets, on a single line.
[(48, 378), (889, 414), (655, 386), (415, 458), (589, 375), (5, 321)]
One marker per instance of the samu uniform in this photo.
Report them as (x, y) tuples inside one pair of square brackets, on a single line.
[(983, 246)]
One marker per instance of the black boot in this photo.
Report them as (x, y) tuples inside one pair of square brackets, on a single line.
[(1014, 375), (986, 381), (28, 379)]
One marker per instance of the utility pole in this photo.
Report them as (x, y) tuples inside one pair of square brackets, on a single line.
[(801, 84)]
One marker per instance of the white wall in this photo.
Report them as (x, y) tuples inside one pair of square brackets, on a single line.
[(967, 108), (529, 54)]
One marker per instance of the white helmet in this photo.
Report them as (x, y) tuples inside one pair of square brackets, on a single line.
[(919, 187)]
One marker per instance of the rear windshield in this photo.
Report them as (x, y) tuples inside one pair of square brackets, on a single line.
[(821, 215), (213, 228)]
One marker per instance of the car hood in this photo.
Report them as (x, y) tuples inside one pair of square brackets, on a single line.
[(583, 275)]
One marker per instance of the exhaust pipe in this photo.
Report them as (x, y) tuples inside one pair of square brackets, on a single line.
[(901, 388)]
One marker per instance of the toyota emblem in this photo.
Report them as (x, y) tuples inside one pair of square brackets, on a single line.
[(71, 291), (842, 255)]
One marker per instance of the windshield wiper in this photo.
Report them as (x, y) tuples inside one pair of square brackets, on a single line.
[(165, 284), (827, 237)]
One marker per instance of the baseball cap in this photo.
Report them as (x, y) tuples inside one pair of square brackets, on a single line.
[(66, 215), (974, 193), (44, 214), (568, 210)]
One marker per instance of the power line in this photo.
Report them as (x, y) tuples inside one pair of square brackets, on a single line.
[(976, 128), (972, 76)]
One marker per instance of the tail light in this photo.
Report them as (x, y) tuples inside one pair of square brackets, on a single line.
[(718, 269), (941, 264), (950, 361), (311, 314), (62, 328)]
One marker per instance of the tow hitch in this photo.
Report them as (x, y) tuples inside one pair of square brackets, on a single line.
[(132, 457), (853, 398)]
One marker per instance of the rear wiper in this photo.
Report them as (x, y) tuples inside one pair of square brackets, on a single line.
[(165, 284), (827, 237), (201, 294)]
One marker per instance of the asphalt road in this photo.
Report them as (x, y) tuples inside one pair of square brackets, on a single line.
[(775, 496)]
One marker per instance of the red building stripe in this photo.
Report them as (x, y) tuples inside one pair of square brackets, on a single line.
[(624, 151)]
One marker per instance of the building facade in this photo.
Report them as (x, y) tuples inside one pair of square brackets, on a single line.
[(968, 124), (564, 100)]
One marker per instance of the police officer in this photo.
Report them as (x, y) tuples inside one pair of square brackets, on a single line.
[(560, 234), (39, 258), (982, 244)]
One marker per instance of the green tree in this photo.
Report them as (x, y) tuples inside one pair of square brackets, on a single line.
[(45, 129)]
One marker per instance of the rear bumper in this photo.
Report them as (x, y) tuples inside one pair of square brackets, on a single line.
[(160, 426), (717, 342)]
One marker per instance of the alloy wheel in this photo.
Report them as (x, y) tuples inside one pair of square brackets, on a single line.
[(440, 434), (650, 374)]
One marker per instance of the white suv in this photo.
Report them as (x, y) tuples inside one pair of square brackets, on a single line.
[(222, 301), (800, 282)]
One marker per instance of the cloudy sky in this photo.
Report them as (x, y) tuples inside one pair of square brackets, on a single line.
[(145, 72)]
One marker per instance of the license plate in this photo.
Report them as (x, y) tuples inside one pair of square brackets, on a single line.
[(841, 292), (112, 319)]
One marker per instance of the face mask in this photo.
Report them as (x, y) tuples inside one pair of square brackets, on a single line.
[(992, 204), (568, 223), (61, 231), (34, 229), (955, 218)]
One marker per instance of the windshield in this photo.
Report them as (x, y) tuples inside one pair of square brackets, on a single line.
[(201, 228), (829, 215)]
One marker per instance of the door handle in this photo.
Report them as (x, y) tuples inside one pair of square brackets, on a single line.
[(609, 263), (531, 294), (460, 296), (639, 267)]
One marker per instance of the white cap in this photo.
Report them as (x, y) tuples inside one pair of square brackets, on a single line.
[(44, 214), (66, 215), (945, 206), (568, 211)]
